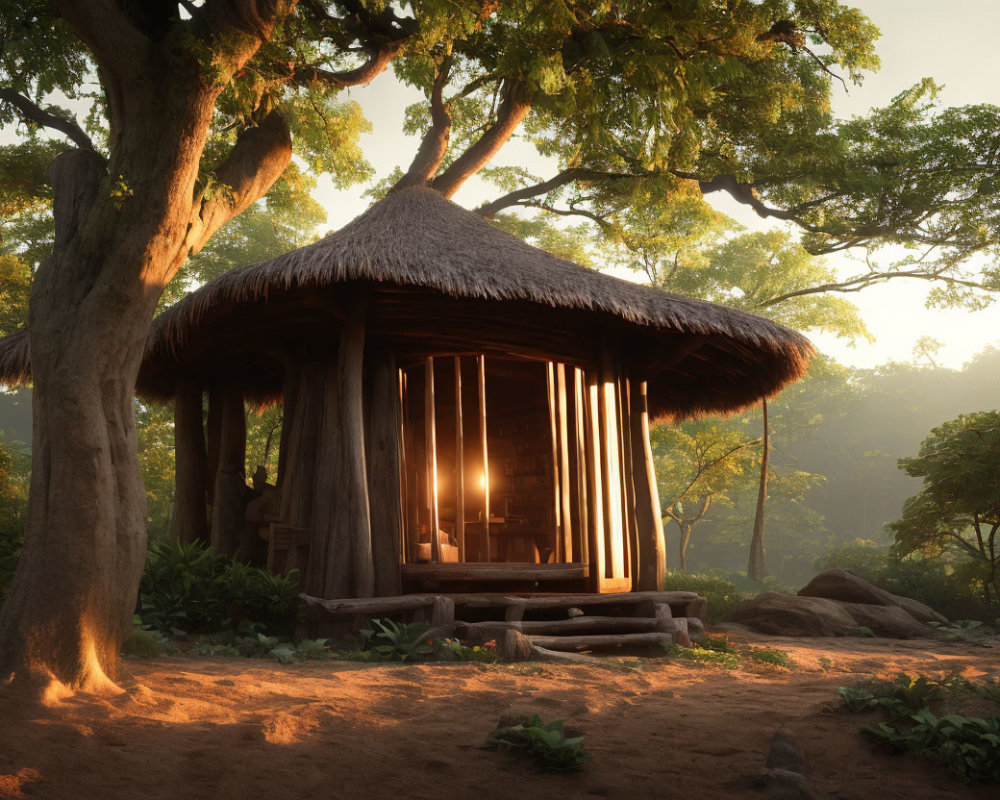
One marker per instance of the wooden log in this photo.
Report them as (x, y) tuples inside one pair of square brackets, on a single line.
[(576, 625), (514, 611), (190, 519), (304, 386), (676, 599), (371, 606), (628, 487), (652, 558), (513, 646), (550, 385), (459, 463), (544, 654), (484, 444), (443, 614), (614, 535), (599, 640), (430, 438), (229, 508), (213, 434), (411, 474), (341, 524), (584, 523), (663, 617), (563, 471), (383, 461), (595, 484)]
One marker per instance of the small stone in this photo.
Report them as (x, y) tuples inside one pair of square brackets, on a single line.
[(574, 612)]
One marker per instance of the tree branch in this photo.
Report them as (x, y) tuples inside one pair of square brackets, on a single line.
[(256, 161), (47, 118), (434, 145), (512, 111)]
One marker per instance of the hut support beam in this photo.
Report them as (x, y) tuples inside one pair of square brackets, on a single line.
[(229, 506), (481, 363), (384, 455), (430, 437), (341, 527), (190, 520), (564, 465), (652, 556), (459, 463)]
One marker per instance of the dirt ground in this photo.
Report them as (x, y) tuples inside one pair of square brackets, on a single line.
[(200, 728)]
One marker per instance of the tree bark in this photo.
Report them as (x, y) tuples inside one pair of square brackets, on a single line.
[(341, 526), (384, 447), (229, 508), (652, 546), (122, 229), (190, 520), (757, 564)]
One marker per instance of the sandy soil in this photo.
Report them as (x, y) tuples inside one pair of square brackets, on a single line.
[(194, 728)]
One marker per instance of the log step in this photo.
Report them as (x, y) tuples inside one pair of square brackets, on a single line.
[(599, 640), (575, 625)]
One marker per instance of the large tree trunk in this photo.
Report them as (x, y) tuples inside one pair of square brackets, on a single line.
[(123, 227), (757, 564)]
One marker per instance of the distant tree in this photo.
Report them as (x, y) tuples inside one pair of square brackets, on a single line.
[(957, 513)]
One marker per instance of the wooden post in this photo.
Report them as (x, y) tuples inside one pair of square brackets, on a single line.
[(341, 527), (585, 523), (430, 429), (564, 467), (190, 520), (410, 458), (628, 487), (481, 363), (610, 466), (304, 388), (229, 508), (213, 432), (550, 381), (652, 556), (595, 484), (384, 462), (459, 463)]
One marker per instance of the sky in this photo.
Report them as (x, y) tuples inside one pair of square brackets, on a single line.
[(952, 41)]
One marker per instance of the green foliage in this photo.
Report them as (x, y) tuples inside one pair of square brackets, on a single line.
[(452, 650), (14, 474), (546, 743), (230, 645), (387, 640), (956, 515), (187, 588), (968, 746), (723, 590), (717, 650)]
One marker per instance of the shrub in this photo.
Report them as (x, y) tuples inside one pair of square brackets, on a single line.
[(545, 742), (191, 588), (723, 590)]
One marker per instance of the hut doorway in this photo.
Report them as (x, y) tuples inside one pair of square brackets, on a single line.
[(504, 461)]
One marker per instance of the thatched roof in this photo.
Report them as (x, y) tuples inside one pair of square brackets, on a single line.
[(441, 273)]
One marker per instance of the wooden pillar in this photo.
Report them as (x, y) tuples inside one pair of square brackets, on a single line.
[(341, 527), (481, 364), (628, 488), (563, 471), (213, 434), (611, 467), (459, 463), (584, 520), (595, 480), (430, 437), (550, 382), (652, 551), (384, 462), (411, 471), (304, 387), (190, 520), (229, 506)]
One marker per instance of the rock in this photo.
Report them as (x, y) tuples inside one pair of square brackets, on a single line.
[(798, 615), (890, 621), (785, 753), (783, 784), (838, 584), (790, 615)]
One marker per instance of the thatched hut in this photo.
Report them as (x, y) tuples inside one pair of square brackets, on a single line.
[(461, 410)]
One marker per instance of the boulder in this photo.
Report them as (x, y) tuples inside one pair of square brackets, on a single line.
[(838, 584), (797, 615), (789, 615)]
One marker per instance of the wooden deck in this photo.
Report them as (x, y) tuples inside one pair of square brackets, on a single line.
[(496, 572)]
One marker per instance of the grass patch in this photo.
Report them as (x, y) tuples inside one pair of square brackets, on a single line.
[(544, 742), (717, 650)]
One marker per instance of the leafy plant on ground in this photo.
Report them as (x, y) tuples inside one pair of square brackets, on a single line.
[(453, 650), (190, 588), (968, 746), (546, 743), (387, 640), (261, 646), (717, 650)]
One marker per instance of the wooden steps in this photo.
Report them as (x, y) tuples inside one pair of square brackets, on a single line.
[(545, 624)]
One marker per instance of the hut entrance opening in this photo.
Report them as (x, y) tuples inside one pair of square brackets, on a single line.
[(501, 473)]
